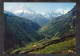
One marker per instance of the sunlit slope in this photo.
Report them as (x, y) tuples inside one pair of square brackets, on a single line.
[(61, 26), (65, 47)]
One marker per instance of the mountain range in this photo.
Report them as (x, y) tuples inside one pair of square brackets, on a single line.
[(61, 26), (33, 16), (27, 27), (51, 14), (28, 13)]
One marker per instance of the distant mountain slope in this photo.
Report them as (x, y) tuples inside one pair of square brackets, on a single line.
[(61, 26), (31, 15), (40, 19), (19, 31), (6, 12), (52, 14)]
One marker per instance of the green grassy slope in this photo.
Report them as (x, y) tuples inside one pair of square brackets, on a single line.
[(66, 47)]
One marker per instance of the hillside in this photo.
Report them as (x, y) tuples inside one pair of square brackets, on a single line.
[(68, 46), (23, 36), (19, 32), (61, 26)]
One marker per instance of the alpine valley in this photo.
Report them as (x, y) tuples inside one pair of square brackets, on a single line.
[(29, 32)]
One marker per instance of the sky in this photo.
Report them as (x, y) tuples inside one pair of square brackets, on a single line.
[(41, 7)]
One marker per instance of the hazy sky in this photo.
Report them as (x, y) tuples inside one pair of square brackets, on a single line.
[(40, 6)]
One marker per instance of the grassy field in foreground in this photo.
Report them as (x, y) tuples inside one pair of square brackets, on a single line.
[(66, 47), (30, 46)]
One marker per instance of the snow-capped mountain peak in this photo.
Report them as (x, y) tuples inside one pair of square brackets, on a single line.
[(22, 11), (52, 14)]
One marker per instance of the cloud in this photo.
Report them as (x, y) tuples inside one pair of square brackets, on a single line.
[(42, 13), (68, 8), (50, 12), (65, 11), (47, 16), (37, 12), (8, 8), (25, 11), (62, 11), (59, 10), (21, 5)]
